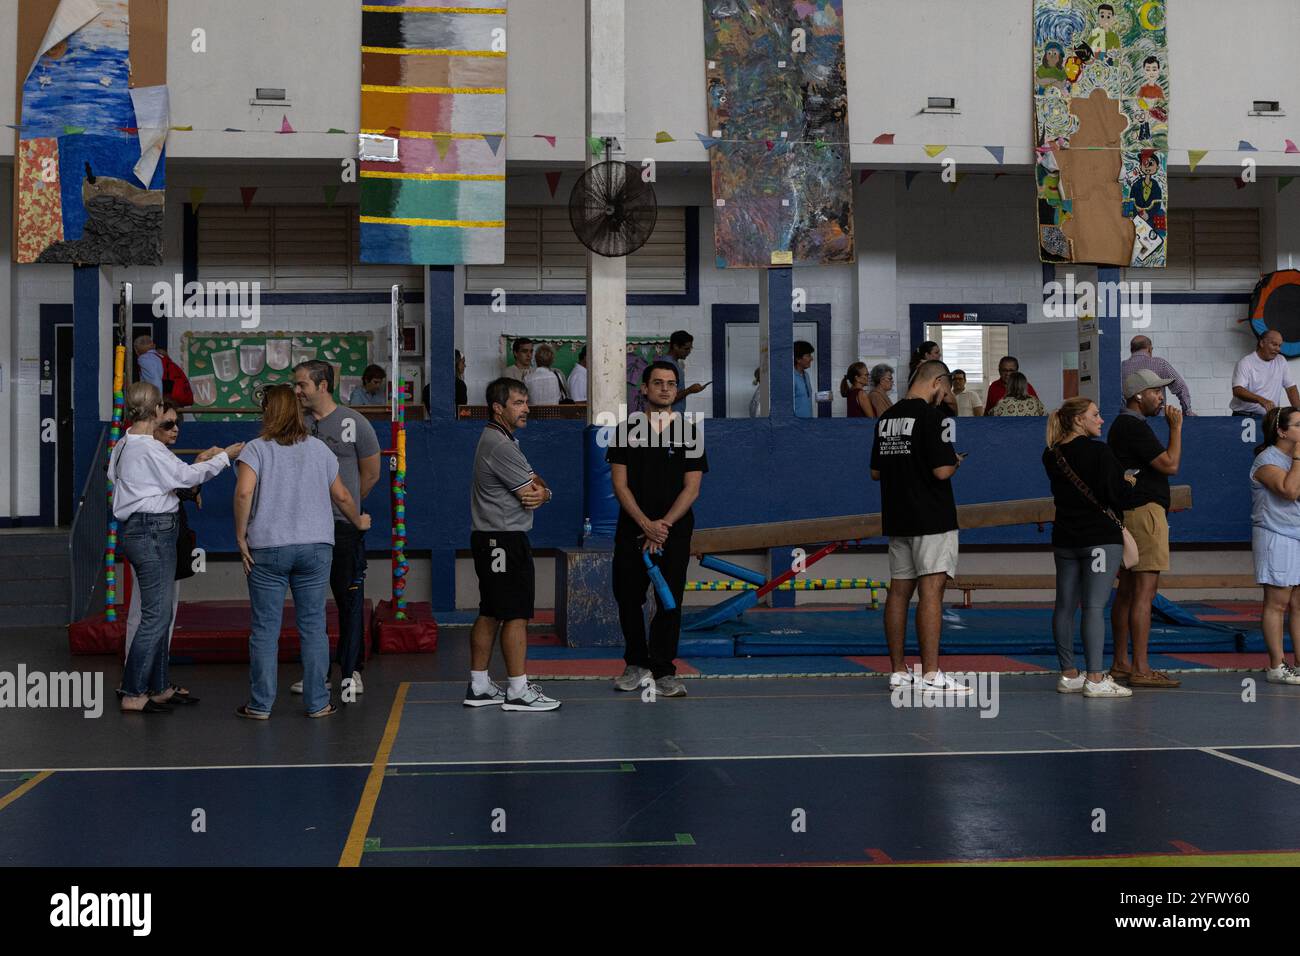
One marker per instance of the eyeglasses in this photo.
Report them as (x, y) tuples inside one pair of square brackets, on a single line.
[(169, 425)]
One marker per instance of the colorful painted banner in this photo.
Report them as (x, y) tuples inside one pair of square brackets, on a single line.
[(433, 114), (1101, 102), (90, 178), (778, 111)]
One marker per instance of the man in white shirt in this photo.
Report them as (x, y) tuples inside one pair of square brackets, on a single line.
[(578, 378), (1262, 379), (523, 353)]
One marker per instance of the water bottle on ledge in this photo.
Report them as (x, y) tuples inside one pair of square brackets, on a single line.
[(586, 529)]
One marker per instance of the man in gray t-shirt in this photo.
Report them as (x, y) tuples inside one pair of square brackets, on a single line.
[(351, 437), (506, 491)]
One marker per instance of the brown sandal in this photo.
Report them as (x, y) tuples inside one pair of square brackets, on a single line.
[(329, 710)]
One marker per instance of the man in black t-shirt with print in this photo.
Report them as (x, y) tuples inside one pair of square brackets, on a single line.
[(656, 466), (913, 459)]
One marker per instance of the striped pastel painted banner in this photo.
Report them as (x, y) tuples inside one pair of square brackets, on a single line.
[(434, 77)]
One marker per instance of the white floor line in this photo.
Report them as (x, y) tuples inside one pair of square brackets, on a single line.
[(649, 759), (1253, 766)]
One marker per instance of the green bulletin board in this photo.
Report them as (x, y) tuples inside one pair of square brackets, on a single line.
[(230, 371)]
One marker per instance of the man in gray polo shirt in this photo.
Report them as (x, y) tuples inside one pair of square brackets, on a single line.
[(352, 438), (506, 492)]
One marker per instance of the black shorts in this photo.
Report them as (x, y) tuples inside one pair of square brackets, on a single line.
[(503, 562)]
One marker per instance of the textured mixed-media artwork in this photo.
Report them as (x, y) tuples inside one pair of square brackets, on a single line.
[(778, 132), (1101, 104), (92, 126), (433, 117)]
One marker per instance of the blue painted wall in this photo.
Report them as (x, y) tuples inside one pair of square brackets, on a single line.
[(761, 470)]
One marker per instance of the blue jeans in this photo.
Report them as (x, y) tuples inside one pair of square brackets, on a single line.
[(1084, 577), (305, 568), (148, 542)]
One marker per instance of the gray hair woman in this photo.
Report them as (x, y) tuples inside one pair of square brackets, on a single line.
[(882, 380)]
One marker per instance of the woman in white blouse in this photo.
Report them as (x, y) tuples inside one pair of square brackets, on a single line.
[(145, 477)]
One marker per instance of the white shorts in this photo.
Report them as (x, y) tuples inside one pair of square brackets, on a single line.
[(1277, 558), (924, 554)]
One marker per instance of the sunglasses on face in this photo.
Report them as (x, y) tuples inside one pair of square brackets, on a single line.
[(169, 425)]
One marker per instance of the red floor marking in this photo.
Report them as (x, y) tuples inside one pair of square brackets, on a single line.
[(878, 855), (545, 639), (1184, 847), (591, 667), (1252, 661), (960, 663)]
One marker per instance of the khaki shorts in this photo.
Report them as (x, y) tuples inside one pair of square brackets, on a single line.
[(924, 554), (1149, 527)]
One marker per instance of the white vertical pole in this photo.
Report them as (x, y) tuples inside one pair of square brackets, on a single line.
[(606, 277), (393, 326)]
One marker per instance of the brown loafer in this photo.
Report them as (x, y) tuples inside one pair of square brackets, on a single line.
[(1152, 679), (1120, 675)]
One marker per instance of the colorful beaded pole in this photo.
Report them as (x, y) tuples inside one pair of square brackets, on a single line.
[(400, 564), (114, 434)]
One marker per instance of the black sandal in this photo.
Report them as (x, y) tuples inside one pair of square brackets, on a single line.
[(182, 696)]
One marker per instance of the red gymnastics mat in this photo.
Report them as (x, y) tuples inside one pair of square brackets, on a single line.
[(206, 632)]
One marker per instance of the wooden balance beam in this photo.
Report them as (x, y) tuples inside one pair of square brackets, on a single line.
[(836, 532), (804, 531)]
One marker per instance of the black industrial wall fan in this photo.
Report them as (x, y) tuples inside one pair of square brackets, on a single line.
[(612, 209)]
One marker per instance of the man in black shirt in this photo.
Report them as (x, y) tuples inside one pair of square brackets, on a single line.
[(656, 465), (1141, 455), (913, 459)]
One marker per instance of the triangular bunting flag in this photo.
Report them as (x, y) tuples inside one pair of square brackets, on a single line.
[(596, 144), (183, 129), (73, 130), (933, 151), (285, 126), (196, 196), (865, 174), (553, 182), (549, 139), (494, 141), (663, 137), (246, 193), (1283, 182), (908, 177), (331, 192), (231, 129), (952, 186), (1291, 147), (1194, 157), (1240, 182), (708, 142), (334, 129), (998, 175), (769, 144), (884, 139), (441, 143), (131, 130), (998, 152), (1245, 147), (819, 144), (393, 132)]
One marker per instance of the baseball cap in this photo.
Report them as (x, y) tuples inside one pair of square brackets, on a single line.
[(1143, 379)]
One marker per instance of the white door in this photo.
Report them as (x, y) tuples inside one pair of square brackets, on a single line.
[(742, 359)]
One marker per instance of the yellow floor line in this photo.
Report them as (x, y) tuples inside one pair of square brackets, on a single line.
[(30, 784), (1161, 859), (356, 842)]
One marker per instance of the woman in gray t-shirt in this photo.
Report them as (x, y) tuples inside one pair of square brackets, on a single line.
[(285, 531)]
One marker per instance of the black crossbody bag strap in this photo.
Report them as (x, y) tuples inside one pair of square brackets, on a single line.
[(1079, 483)]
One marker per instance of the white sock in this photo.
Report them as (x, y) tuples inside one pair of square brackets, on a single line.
[(479, 681), (518, 685)]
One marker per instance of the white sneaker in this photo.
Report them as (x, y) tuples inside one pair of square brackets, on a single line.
[(1284, 673), (942, 683), (532, 699), (1106, 687), (1071, 685), (296, 687), (356, 682), (901, 679)]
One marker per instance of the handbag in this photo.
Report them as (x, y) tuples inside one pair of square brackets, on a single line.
[(1130, 557)]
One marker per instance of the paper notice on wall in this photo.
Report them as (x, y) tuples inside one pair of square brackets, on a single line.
[(151, 118), (884, 344)]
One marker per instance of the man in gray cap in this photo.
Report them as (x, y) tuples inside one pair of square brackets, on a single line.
[(1148, 466)]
